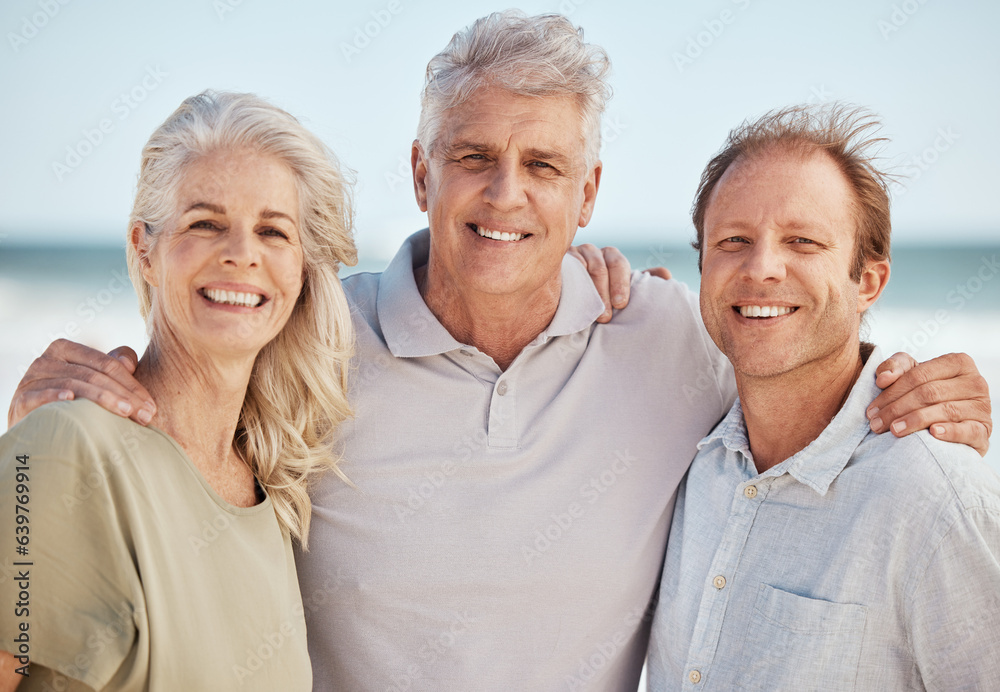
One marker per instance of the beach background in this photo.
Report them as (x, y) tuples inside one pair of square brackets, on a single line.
[(85, 83)]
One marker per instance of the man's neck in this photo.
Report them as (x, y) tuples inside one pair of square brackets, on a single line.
[(498, 325), (784, 414)]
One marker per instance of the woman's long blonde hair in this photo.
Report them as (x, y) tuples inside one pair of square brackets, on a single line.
[(297, 391)]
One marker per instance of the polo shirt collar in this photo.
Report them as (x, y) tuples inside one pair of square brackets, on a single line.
[(411, 330), (579, 302), (819, 464)]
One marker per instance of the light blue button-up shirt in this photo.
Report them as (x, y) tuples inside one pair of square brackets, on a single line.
[(863, 562)]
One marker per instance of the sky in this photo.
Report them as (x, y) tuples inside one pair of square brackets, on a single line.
[(85, 84)]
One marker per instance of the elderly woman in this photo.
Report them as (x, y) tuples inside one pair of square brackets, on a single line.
[(160, 558)]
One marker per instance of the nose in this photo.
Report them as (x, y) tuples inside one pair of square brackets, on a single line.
[(764, 263), (505, 189), (240, 248)]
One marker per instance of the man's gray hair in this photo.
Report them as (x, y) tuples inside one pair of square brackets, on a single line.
[(543, 55)]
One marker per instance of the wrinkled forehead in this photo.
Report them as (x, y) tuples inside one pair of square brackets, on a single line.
[(499, 118)]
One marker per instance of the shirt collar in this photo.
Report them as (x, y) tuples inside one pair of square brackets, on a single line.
[(411, 330), (819, 464)]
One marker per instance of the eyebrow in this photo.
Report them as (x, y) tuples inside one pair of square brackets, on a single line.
[(533, 153), (454, 147), (216, 209), (547, 155), (274, 214)]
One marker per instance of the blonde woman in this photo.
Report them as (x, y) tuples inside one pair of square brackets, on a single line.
[(160, 558)]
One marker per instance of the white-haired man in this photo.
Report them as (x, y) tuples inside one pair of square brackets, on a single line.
[(818, 555), (514, 461)]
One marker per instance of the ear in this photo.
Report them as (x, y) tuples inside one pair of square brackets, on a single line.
[(874, 278), (139, 240), (418, 163), (590, 187)]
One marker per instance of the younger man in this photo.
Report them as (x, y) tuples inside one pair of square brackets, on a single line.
[(807, 552)]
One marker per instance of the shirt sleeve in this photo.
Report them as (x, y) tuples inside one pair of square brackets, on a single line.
[(69, 578), (955, 606)]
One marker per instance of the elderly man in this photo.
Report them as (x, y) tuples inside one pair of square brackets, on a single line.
[(807, 552), (514, 461)]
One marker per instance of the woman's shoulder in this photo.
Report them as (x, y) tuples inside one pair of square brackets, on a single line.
[(78, 415), (75, 434)]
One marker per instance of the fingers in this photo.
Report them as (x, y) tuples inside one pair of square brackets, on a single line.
[(126, 356), (929, 404), (946, 391), (892, 368), (26, 402), (922, 416), (611, 273), (593, 260), (65, 351), (77, 382), (951, 377), (659, 272), (972, 433), (68, 370), (573, 251), (619, 276)]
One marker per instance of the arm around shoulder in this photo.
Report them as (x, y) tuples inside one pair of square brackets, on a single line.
[(69, 370)]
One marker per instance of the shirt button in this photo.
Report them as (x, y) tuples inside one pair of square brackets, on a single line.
[(750, 491), (694, 676), (502, 388), (719, 582)]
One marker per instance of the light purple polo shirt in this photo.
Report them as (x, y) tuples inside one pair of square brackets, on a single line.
[(507, 529)]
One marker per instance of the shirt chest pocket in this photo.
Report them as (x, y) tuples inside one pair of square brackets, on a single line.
[(798, 643)]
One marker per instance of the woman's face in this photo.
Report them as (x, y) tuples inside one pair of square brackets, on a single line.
[(227, 268)]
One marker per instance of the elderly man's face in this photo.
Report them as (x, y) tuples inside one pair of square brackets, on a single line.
[(776, 292), (505, 188)]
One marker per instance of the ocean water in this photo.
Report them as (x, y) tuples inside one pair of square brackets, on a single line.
[(939, 300)]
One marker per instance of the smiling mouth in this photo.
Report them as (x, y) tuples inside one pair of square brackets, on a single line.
[(246, 300), (763, 310), (502, 236)]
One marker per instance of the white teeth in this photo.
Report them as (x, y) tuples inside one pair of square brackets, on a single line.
[(247, 300), (497, 235), (764, 310)]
